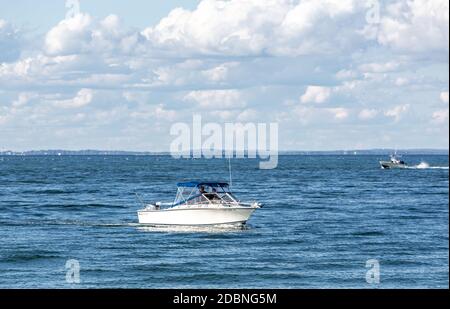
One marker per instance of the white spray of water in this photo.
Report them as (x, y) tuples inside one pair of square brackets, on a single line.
[(424, 165)]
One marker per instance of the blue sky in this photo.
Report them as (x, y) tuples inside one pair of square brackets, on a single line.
[(45, 15), (333, 74)]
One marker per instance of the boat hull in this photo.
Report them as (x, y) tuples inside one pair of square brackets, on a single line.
[(391, 165), (195, 216)]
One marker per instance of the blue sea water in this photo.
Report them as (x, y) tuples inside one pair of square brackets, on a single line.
[(324, 217)]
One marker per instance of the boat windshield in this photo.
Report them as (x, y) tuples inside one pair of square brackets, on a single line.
[(199, 193)]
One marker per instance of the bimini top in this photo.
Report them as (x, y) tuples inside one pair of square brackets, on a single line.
[(193, 184)]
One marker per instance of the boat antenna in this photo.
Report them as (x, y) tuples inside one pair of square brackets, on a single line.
[(229, 171)]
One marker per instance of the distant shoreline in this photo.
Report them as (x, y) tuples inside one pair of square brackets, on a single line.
[(144, 153)]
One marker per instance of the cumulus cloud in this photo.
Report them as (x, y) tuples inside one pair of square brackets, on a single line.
[(69, 35), (229, 31), (248, 114), (280, 28), (23, 99), (367, 114), (277, 27), (397, 111), (441, 116), (238, 59), (283, 27), (346, 74), (339, 113), (444, 96), (216, 99), (220, 72), (162, 113), (401, 81), (84, 34), (223, 115), (315, 94), (82, 98), (379, 67), (416, 26), (309, 115)]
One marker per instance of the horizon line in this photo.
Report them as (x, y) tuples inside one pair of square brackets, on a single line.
[(55, 150)]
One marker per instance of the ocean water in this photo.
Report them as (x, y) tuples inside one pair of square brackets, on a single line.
[(324, 217)]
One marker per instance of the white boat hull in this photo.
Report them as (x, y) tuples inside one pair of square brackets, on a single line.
[(391, 165), (196, 216)]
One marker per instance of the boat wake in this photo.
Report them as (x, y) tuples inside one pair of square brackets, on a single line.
[(424, 165), (69, 222), (222, 228)]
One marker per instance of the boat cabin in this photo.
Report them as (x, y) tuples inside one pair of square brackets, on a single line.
[(396, 160), (195, 192)]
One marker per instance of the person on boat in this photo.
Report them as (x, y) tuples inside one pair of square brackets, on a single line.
[(201, 189), (212, 195), (201, 193)]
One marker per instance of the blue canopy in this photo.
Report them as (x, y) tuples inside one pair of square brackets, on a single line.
[(193, 184)]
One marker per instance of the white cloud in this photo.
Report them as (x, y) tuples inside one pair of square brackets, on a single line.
[(229, 28), (161, 113), (444, 96), (178, 74), (219, 73), (379, 67), (68, 35), (238, 59), (216, 74), (223, 115), (23, 99), (401, 81), (136, 96), (346, 74), (315, 94), (4, 114), (82, 98), (17, 69), (367, 114), (416, 26), (311, 115), (441, 116), (37, 67), (84, 34), (248, 114), (252, 27), (306, 27), (397, 111), (339, 113), (3, 24), (216, 99)]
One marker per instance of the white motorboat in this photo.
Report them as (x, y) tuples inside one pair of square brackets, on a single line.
[(394, 162), (199, 203)]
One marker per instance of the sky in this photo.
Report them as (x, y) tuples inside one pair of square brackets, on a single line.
[(116, 75)]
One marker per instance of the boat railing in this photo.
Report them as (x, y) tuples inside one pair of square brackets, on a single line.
[(225, 198)]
